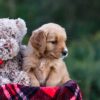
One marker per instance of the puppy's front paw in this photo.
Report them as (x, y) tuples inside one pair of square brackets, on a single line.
[(35, 83), (52, 83)]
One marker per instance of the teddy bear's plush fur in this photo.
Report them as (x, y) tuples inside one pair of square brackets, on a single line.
[(12, 32)]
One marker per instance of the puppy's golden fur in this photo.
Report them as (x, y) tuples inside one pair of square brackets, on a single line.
[(43, 56)]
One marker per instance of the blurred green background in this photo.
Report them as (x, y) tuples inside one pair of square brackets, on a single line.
[(81, 19)]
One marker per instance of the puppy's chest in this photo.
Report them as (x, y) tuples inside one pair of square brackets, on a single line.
[(43, 66), (42, 70)]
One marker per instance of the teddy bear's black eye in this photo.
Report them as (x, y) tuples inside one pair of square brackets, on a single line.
[(13, 35)]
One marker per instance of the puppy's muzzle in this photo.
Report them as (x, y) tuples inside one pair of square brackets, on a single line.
[(65, 52)]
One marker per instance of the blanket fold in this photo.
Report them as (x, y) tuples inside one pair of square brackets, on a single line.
[(68, 91)]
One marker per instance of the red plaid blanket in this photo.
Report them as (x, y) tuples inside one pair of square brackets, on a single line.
[(69, 91)]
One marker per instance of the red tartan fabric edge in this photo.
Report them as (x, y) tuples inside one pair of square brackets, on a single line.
[(69, 91)]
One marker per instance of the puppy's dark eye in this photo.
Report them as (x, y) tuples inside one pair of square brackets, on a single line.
[(53, 42)]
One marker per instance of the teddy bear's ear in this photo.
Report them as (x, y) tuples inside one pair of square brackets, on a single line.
[(21, 25), (38, 40)]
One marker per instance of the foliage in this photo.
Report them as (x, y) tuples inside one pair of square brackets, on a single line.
[(84, 65)]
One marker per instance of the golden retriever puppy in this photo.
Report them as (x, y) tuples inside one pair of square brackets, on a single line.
[(43, 56)]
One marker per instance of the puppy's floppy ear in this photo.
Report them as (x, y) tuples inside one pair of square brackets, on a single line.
[(38, 40)]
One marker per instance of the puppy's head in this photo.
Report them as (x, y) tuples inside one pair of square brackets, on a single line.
[(49, 40)]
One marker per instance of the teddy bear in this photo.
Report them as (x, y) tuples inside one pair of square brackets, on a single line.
[(12, 32)]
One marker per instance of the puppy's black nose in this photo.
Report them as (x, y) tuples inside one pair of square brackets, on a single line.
[(65, 52)]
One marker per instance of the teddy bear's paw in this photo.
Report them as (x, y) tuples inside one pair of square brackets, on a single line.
[(23, 79), (4, 80)]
